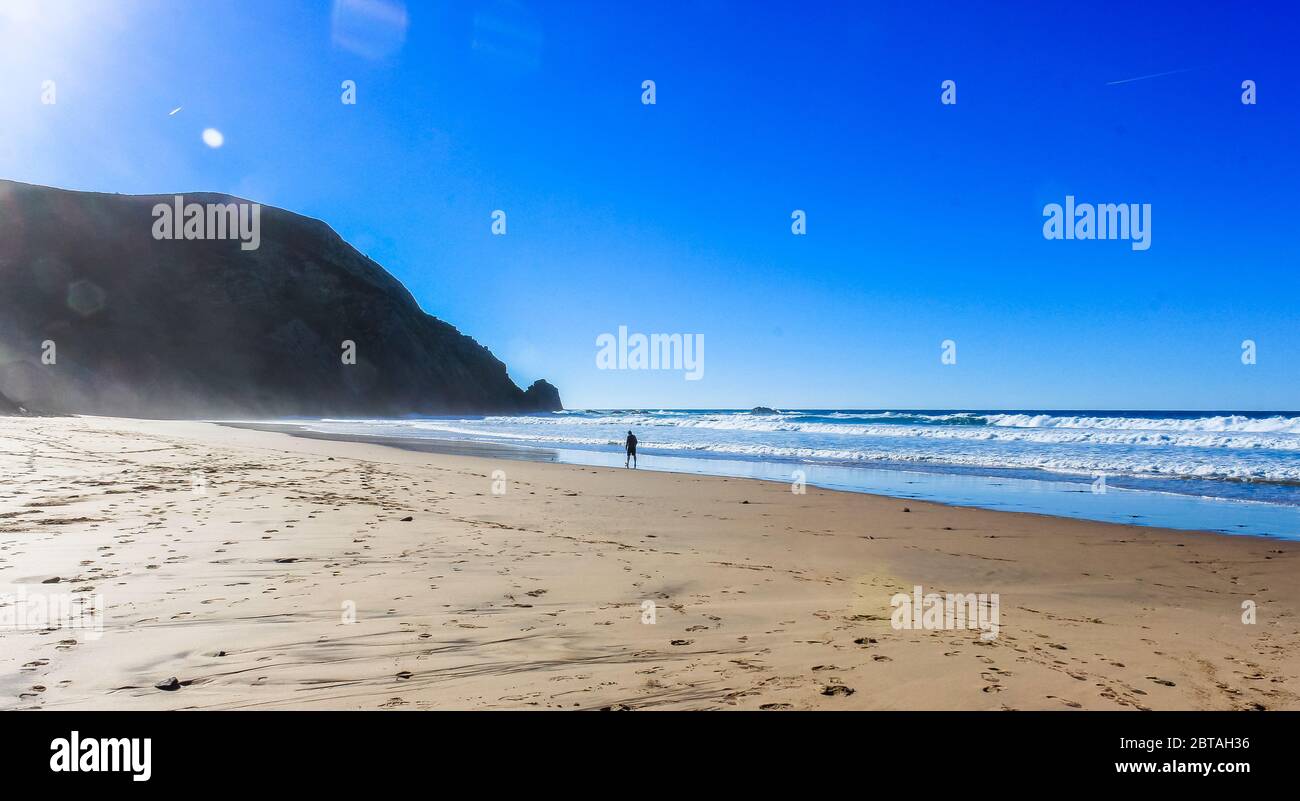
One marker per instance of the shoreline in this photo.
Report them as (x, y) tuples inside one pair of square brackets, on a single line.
[(536, 598), (1051, 497)]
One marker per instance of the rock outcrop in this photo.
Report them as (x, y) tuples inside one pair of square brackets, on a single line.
[(543, 396)]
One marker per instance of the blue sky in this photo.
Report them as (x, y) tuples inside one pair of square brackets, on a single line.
[(924, 220)]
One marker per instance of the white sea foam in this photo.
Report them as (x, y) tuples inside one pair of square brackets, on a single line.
[(1218, 423), (1274, 433), (1220, 447)]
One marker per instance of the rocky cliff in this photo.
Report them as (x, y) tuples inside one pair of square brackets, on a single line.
[(98, 316)]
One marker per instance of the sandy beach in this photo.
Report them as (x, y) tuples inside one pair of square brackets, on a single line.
[(269, 571)]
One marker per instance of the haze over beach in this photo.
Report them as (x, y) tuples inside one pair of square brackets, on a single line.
[(514, 355)]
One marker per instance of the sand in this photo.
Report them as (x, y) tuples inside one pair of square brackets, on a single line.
[(267, 571)]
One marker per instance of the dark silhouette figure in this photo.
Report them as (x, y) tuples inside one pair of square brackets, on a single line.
[(631, 451)]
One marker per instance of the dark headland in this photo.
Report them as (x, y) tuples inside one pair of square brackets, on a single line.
[(97, 316)]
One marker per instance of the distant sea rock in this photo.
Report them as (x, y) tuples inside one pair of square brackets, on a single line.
[(763, 410), (138, 326)]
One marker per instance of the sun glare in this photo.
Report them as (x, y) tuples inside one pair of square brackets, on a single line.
[(49, 34)]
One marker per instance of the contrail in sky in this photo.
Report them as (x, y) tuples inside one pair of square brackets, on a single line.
[(1144, 77)]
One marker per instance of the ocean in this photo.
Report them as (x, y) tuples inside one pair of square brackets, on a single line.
[(1234, 472)]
